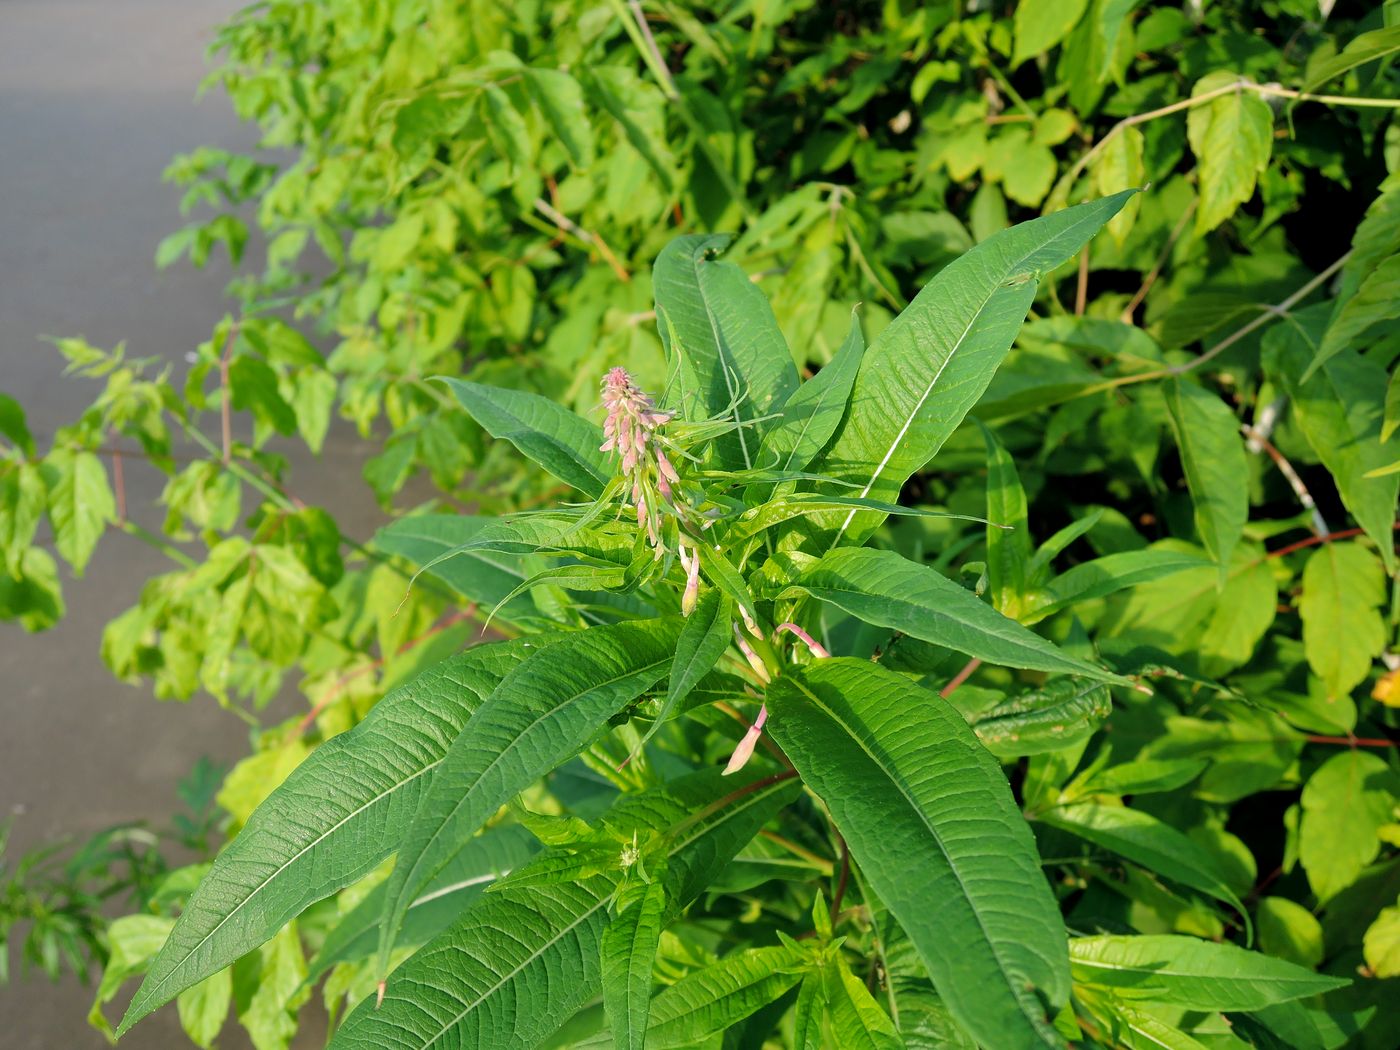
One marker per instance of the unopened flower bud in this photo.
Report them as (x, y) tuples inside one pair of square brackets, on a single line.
[(744, 751)]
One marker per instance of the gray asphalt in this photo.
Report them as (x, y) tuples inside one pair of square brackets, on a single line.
[(96, 96)]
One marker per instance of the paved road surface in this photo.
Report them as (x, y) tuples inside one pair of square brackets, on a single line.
[(95, 98)]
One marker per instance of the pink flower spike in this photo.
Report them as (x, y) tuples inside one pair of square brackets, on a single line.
[(664, 467), (814, 647), (744, 751)]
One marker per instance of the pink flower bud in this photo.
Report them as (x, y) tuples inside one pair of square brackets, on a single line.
[(744, 751), (816, 648)]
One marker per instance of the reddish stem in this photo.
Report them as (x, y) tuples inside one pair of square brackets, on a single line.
[(1350, 741), (961, 677)]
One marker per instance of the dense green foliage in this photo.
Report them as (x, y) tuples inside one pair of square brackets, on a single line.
[(1054, 659)]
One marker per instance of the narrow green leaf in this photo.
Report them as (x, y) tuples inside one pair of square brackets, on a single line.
[(712, 1000), (927, 369), (333, 820), (544, 712), (928, 816), (857, 1022), (1197, 974), (702, 642), (1059, 714), (1110, 574), (720, 333), (811, 415), (1213, 459), (1145, 840), (23, 497), (1008, 533), (539, 945), (629, 952), (561, 442), (1376, 303), (1367, 47), (886, 589)]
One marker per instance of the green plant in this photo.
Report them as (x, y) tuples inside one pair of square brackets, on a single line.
[(716, 569), (1193, 445)]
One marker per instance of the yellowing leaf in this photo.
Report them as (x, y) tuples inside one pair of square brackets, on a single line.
[(256, 777), (1387, 689), (1381, 944), (1120, 167), (1345, 803), (1232, 136), (1343, 586)]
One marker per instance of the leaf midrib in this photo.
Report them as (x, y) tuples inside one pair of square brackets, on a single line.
[(898, 782), (696, 261)]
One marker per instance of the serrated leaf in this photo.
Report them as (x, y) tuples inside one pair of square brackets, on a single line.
[(723, 343), (1232, 137), (1197, 974), (1213, 459), (927, 369), (629, 952), (810, 416), (561, 442), (1376, 303), (1145, 840), (928, 815), (23, 496), (540, 945), (334, 819), (544, 712), (712, 1000), (1343, 631), (886, 589)]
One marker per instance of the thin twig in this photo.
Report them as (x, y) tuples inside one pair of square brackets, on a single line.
[(1257, 438), (1351, 741), (1313, 541), (842, 881), (1156, 271), (587, 236), (961, 677), (225, 394), (1081, 292), (119, 485)]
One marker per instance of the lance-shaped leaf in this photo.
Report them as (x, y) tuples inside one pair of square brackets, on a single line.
[(438, 540), (521, 962), (702, 642), (561, 442), (1199, 975), (927, 369), (1110, 574), (333, 820), (1008, 535), (1063, 712), (889, 590), (560, 99), (713, 1000), (488, 857), (928, 816), (1145, 840), (543, 713), (857, 1022), (629, 953), (813, 412), (1213, 459)]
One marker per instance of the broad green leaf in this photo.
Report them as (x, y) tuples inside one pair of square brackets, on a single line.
[(1345, 804), (1376, 303), (1061, 713), (713, 1000), (1289, 931), (23, 496), (857, 1022), (1213, 459), (1376, 239), (544, 712), (1039, 26), (629, 953), (269, 988), (1391, 415), (639, 109), (487, 857), (927, 369), (702, 641), (1136, 1029), (132, 941), (724, 344), (1142, 776), (540, 945), (886, 589), (1145, 840), (1382, 943), (1008, 532), (561, 442), (334, 819), (507, 129), (80, 504), (928, 816), (1111, 573), (1367, 47), (810, 416), (561, 101), (1339, 410), (204, 1008), (1343, 588), (1232, 137), (1197, 974)]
